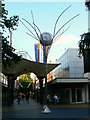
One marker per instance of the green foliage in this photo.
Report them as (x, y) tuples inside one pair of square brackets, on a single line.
[(10, 23), (26, 81), (25, 77), (84, 43), (8, 52), (8, 55), (3, 12)]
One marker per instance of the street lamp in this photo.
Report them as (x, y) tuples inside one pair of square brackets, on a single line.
[(47, 39)]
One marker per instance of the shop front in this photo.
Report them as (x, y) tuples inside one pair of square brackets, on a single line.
[(71, 91), (76, 95)]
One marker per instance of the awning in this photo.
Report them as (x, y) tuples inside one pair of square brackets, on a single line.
[(25, 66), (69, 80)]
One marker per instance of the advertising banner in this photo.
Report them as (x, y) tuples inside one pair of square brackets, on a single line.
[(45, 50), (37, 52)]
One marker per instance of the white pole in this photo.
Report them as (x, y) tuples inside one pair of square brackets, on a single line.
[(10, 38)]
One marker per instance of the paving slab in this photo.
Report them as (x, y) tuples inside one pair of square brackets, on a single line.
[(33, 109)]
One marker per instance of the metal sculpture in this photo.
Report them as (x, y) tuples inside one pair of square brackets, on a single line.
[(47, 39)]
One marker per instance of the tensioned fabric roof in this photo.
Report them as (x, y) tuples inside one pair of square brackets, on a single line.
[(25, 66)]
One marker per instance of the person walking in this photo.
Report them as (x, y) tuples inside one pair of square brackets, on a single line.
[(56, 99), (19, 98), (27, 97), (48, 99)]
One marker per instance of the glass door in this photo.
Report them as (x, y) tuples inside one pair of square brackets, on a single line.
[(76, 95), (79, 95), (73, 96)]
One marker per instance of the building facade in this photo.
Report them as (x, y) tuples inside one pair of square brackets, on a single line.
[(3, 88), (71, 65), (68, 80)]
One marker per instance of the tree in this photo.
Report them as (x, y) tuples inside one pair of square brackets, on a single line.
[(25, 81), (9, 23), (84, 50), (8, 52), (84, 43)]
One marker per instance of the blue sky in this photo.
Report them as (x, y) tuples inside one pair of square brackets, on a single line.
[(45, 15)]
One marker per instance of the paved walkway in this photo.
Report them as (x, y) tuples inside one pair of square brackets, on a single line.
[(34, 110)]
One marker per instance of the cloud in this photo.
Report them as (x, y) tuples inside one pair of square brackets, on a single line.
[(62, 44), (67, 40)]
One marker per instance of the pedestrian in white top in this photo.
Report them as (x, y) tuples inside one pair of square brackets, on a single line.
[(56, 99)]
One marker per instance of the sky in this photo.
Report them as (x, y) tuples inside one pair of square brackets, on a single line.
[(45, 15)]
